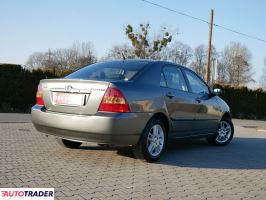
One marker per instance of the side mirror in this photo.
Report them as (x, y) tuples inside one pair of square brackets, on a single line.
[(217, 91)]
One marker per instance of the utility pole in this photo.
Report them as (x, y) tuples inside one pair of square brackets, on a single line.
[(207, 75)]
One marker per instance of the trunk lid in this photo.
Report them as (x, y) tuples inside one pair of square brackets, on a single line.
[(73, 96)]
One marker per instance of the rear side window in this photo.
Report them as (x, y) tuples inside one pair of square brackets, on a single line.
[(109, 71), (174, 78)]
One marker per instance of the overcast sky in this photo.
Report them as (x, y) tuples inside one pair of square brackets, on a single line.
[(36, 25)]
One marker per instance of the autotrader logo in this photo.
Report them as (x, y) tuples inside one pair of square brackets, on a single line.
[(26, 193)]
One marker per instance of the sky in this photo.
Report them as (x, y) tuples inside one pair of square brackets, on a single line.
[(30, 26)]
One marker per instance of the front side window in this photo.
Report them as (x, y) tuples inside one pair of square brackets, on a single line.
[(196, 84), (174, 78)]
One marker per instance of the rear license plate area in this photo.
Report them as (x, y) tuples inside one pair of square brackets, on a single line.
[(68, 99)]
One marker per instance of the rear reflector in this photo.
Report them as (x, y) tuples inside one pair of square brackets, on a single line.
[(39, 96), (114, 101)]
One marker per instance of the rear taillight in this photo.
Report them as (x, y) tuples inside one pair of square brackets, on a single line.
[(114, 101), (39, 96)]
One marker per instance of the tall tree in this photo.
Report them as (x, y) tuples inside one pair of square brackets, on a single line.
[(119, 52), (236, 64), (143, 45), (35, 60), (263, 76), (178, 53), (221, 72), (63, 60), (84, 54), (199, 59)]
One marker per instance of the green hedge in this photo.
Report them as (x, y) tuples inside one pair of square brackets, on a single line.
[(18, 87), (244, 103)]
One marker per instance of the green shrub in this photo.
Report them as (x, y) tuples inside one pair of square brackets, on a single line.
[(18, 87), (244, 103)]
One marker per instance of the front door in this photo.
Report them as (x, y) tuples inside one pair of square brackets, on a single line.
[(179, 101), (207, 117)]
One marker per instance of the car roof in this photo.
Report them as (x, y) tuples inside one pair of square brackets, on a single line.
[(148, 61), (155, 62)]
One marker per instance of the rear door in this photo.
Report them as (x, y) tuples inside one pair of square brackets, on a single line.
[(207, 116), (180, 103)]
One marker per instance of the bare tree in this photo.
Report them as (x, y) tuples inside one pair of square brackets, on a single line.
[(221, 72), (63, 60), (236, 64), (263, 76), (35, 60), (119, 52), (83, 54), (42, 60), (199, 59), (178, 53)]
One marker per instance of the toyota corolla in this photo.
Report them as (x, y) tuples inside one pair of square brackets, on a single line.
[(137, 103)]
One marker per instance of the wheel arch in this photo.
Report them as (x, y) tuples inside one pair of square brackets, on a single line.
[(227, 115), (161, 116)]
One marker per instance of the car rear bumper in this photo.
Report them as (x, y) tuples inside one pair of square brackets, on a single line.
[(110, 128)]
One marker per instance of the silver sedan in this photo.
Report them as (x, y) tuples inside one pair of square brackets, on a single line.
[(138, 103)]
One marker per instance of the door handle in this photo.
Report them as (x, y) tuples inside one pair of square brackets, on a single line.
[(198, 99), (170, 95)]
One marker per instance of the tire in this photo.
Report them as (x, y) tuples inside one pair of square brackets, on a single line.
[(68, 143), (152, 142), (225, 133)]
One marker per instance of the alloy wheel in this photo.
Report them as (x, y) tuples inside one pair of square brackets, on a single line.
[(155, 141), (224, 132)]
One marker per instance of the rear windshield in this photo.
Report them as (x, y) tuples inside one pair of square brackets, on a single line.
[(109, 71)]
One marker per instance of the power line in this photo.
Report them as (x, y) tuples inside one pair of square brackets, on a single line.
[(237, 32), (204, 21), (175, 11)]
